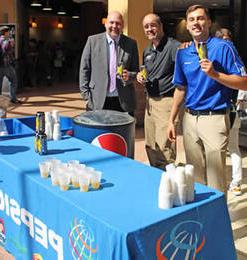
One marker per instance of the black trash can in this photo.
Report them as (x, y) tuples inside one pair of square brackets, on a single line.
[(109, 129)]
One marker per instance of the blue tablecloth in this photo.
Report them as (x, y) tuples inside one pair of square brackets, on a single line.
[(120, 221)]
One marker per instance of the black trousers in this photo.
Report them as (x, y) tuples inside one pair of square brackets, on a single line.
[(112, 103)]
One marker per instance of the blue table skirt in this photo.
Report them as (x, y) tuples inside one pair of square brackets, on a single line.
[(120, 221)]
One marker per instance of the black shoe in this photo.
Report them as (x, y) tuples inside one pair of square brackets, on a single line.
[(15, 101)]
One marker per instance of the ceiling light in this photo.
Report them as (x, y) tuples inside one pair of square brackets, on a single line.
[(47, 6), (36, 3), (47, 9), (75, 16), (61, 11)]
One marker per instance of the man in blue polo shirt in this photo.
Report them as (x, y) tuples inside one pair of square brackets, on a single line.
[(205, 86)]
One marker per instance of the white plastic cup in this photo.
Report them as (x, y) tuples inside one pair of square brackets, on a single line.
[(189, 168), (48, 131), (165, 200), (56, 132), (182, 194), (190, 197), (180, 175), (165, 183), (48, 125), (190, 179), (55, 116), (170, 168)]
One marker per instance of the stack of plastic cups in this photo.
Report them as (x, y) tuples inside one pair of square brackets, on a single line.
[(189, 173), (56, 125), (171, 171), (165, 198), (48, 126), (180, 198)]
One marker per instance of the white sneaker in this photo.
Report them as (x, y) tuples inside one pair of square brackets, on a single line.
[(235, 189)]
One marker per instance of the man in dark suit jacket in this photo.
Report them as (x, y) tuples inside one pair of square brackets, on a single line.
[(95, 68)]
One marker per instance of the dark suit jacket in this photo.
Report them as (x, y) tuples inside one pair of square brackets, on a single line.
[(94, 74)]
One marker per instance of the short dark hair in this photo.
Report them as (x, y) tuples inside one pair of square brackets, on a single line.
[(192, 8)]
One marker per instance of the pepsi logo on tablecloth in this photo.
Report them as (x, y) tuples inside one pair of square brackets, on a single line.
[(111, 142)]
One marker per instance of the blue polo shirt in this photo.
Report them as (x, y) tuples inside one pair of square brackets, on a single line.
[(202, 92)]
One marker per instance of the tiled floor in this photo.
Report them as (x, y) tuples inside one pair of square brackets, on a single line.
[(66, 99)]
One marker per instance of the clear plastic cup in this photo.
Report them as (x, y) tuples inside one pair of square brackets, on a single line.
[(90, 169), (75, 179), (78, 167), (63, 181), (81, 166), (53, 163), (84, 183), (95, 179), (44, 169), (70, 173), (71, 163), (54, 178)]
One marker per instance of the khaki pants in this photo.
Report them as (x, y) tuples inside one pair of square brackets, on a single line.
[(205, 144), (160, 150)]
